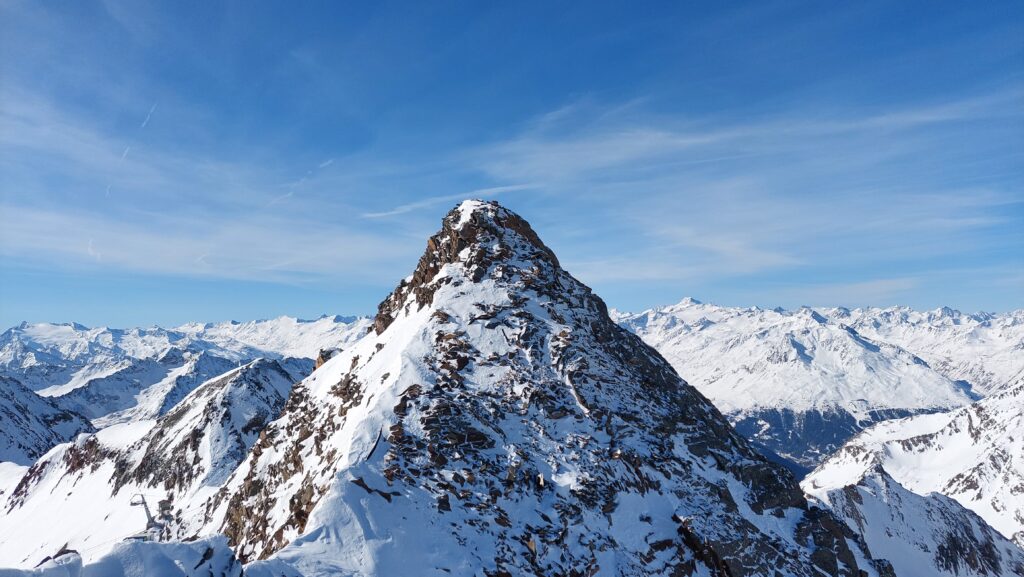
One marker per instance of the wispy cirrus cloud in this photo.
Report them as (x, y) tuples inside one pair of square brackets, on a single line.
[(576, 141), (488, 193), (262, 248), (794, 190)]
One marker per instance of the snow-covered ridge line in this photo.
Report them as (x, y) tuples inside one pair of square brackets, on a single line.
[(974, 455), (119, 375), (799, 383), (923, 535), (284, 336)]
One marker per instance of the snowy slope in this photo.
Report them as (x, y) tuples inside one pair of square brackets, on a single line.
[(30, 425), (795, 382), (983, 349), (284, 336), (974, 455), (183, 457), (923, 536), (111, 375), (497, 421), (202, 558)]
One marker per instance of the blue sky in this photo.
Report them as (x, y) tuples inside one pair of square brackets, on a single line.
[(176, 161)]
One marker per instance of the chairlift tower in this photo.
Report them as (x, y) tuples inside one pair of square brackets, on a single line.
[(154, 529)]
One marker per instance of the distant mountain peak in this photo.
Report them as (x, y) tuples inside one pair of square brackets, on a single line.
[(688, 301)]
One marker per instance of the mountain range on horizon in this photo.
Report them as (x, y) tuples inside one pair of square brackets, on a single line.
[(495, 399), (511, 289)]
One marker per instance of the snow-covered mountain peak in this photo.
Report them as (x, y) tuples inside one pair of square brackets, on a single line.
[(480, 238), (686, 302), (499, 422)]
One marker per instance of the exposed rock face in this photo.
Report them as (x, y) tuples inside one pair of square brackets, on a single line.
[(498, 422), (30, 425), (325, 355), (206, 437), (446, 247)]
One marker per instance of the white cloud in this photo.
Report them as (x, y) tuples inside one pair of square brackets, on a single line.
[(708, 199), (252, 248)]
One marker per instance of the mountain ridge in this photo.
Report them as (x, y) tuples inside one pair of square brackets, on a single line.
[(796, 382), (974, 455)]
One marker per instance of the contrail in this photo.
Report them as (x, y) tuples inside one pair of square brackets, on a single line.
[(148, 116)]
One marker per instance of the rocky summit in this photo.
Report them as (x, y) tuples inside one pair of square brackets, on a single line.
[(497, 422)]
